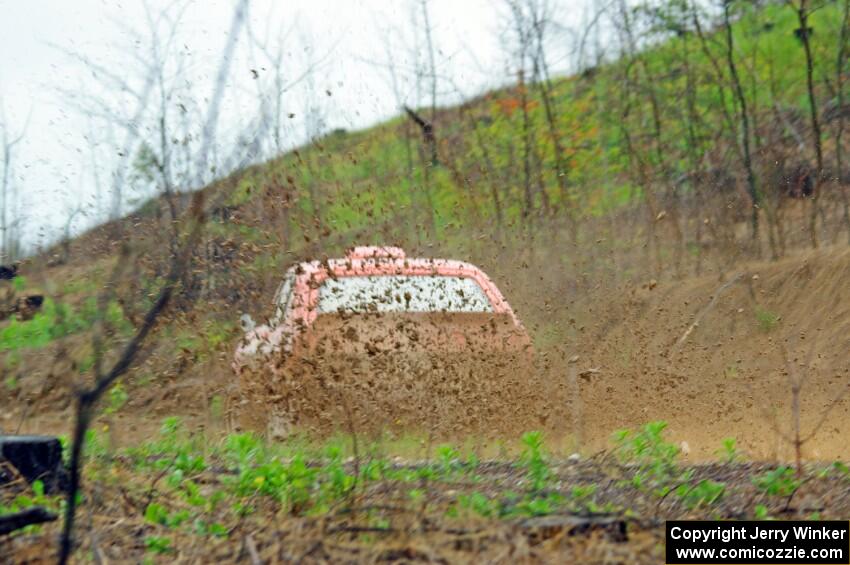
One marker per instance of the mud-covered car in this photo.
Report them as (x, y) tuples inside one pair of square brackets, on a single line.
[(379, 339)]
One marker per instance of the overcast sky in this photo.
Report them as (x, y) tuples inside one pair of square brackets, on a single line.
[(52, 166)]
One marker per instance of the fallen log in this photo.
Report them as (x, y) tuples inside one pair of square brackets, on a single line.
[(541, 528), (35, 515)]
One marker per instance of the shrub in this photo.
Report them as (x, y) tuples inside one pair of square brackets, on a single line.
[(766, 319), (654, 457), (57, 320), (704, 493), (534, 460), (779, 482)]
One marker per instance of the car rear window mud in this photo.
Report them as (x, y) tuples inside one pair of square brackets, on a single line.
[(402, 293)]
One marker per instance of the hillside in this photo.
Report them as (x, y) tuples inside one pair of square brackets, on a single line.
[(554, 242)]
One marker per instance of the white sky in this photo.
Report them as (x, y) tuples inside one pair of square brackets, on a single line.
[(52, 167)]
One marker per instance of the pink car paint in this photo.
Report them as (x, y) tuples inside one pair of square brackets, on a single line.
[(267, 340)]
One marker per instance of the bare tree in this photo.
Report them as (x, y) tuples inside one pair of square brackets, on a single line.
[(98, 110), (541, 20), (744, 117), (422, 73), (402, 63), (158, 145), (423, 31), (276, 75), (8, 239), (797, 375), (804, 9), (489, 170), (735, 113), (273, 77), (88, 398), (73, 208), (159, 50), (393, 73), (522, 52), (840, 63), (630, 104), (432, 65)]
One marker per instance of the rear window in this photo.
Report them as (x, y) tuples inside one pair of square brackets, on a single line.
[(401, 293)]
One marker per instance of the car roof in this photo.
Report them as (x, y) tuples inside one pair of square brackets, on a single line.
[(364, 267), (385, 260), (389, 261)]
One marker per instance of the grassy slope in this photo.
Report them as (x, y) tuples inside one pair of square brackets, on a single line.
[(362, 176)]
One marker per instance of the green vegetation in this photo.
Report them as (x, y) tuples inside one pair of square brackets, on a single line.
[(368, 179), (781, 481), (115, 399), (204, 340), (655, 468), (304, 478), (534, 460), (307, 479), (653, 457), (187, 490), (766, 319), (729, 452), (541, 496), (35, 497), (57, 320)]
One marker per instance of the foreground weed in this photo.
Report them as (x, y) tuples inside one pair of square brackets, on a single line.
[(656, 468), (729, 450), (36, 497), (340, 482), (761, 512), (158, 544), (582, 500), (172, 451), (213, 529), (704, 493), (450, 465), (116, 398), (157, 514), (781, 481), (539, 505), (840, 469), (655, 458), (835, 469), (448, 458), (478, 504), (56, 320), (539, 500), (534, 460), (11, 383), (767, 320)]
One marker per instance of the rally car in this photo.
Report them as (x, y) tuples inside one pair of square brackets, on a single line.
[(370, 313)]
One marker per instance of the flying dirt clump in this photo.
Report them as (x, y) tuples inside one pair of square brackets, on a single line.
[(362, 376), (706, 356)]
